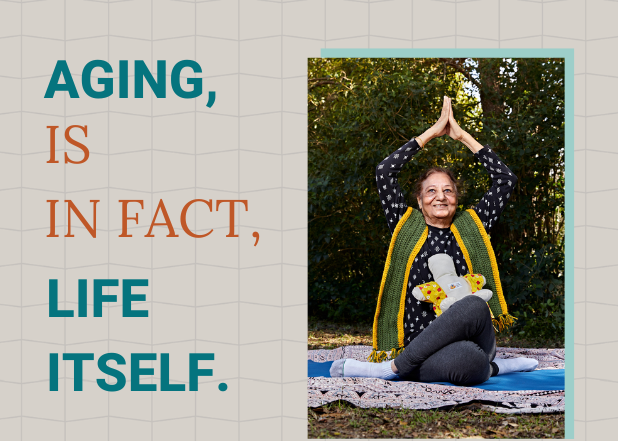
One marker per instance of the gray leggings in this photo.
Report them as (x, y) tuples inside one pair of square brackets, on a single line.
[(457, 347)]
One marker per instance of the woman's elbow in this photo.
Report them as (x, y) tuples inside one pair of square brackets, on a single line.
[(380, 168)]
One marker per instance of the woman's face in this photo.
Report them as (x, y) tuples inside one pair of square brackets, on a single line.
[(438, 200)]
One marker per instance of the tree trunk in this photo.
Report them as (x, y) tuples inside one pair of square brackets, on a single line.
[(491, 98), (493, 117)]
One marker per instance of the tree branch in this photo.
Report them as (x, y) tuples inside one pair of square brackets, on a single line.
[(321, 82), (459, 68)]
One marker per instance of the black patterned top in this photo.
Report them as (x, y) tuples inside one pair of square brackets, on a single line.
[(419, 315)]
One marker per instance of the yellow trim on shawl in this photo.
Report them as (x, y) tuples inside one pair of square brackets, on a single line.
[(492, 258), (404, 290), (402, 221), (464, 250)]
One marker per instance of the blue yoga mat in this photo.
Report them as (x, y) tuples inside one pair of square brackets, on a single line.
[(548, 379)]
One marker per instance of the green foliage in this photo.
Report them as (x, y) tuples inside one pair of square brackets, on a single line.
[(361, 110), (542, 319), (534, 288)]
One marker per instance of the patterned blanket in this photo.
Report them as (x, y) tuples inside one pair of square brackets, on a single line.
[(373, 392)]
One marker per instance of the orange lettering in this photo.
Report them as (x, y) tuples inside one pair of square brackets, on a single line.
[(125, 218), (52, 218), (231, 201), (71, 141), (183, 217), (167, 222), (91, 229), (52, 146)]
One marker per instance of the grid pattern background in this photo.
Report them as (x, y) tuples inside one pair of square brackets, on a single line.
[(246, 304)]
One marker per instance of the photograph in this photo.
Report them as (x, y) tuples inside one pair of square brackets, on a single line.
[(436, 249)]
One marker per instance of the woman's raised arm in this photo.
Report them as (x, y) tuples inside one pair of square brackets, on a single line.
[(391, 195), (503, 179)]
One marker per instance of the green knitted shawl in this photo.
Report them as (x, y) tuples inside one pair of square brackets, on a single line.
[(408, 239)]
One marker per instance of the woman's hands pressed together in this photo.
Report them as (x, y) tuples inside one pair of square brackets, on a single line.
[(446, 125), (440, 127), (452, 129)]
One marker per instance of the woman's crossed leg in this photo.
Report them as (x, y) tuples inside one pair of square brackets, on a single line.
[(458, 347)]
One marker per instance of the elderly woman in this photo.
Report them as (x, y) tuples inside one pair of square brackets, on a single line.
[(459, 346)]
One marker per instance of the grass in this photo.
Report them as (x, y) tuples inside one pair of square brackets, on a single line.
[(327, 335), (340, 420), (343, 420)]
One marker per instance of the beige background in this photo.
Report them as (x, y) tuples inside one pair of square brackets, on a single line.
[(247, 304)]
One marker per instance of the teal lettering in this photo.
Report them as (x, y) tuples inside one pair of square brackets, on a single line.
[(69, 85), (78, 368), (108, 83), (82, 298), (53, 372), (99, 297), (124, 78), (195, 82), (195, 372), (119, 376), (53, 301), (127, 297), (136, 372), (141, 72), (165, 375)]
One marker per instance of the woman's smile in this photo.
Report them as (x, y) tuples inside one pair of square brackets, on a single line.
[(438, 200)]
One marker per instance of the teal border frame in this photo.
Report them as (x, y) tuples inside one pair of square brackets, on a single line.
[(569, 197)]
